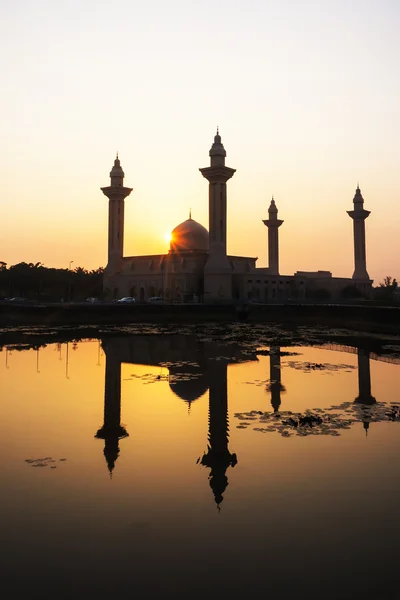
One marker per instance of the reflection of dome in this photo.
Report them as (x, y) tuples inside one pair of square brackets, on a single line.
[(187, 384), (189, 236)]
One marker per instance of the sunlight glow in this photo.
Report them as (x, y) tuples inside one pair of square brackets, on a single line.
[(167, 237)]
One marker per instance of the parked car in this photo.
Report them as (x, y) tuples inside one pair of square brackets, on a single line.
[(127, 300), (155, 300)]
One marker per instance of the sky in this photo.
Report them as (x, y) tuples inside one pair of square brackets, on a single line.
[(305, 94)]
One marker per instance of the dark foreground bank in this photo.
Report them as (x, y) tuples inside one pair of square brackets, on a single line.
[(379, 319)]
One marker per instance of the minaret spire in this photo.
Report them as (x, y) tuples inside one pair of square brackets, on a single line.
[(273, 224)]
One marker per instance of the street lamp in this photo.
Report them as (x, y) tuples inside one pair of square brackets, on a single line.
[(69, 281)]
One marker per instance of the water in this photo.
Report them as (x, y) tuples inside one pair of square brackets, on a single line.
[(129, 467)]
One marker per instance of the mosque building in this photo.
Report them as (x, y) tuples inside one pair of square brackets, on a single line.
[(197, 266)]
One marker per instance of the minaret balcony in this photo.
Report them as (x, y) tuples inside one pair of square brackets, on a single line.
[(218, 173)]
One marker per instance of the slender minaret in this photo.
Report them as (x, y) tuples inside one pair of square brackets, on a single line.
[(273, 224), (359, 215), (116, 194), (218, 271)]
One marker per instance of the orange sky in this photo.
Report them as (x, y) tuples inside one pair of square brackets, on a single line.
[(305, 95)]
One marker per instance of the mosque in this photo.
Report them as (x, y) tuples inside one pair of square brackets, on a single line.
[(197, 266)]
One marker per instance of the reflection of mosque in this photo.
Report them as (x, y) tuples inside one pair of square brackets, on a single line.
[(194, 367), (275, 387)]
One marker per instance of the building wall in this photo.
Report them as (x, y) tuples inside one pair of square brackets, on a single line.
[(180, 277)]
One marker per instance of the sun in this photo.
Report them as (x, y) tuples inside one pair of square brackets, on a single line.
[(167, 237)]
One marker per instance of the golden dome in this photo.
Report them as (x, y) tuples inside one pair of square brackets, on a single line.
[(189, 236)]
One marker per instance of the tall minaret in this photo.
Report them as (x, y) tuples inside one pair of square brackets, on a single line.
[(116, 193), (273, 224), (218, 271), (359, 215)]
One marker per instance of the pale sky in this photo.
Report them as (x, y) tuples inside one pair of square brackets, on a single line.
[(305, 93)]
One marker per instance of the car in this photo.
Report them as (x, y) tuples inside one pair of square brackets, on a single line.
[(127, 300), (155, 300), (91, 300)]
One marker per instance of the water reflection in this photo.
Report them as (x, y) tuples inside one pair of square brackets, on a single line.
[(112, 431), (364, 384), (290, 503), (275, 386), (194, 368), (218, 457)]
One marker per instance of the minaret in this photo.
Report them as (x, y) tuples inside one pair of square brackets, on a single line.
[(218, 457), (359, 215), (112, 430), (116, 194), (218, 271), (273, 224)]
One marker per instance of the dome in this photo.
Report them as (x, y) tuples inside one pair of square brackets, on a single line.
[(189, 236)]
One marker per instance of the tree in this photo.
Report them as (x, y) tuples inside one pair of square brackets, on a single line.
[(389, 283), (386, 289)]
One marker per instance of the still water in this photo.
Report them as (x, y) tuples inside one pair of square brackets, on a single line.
[(157, 466)]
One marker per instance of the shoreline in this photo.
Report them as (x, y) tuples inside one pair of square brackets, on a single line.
[(361, 318)]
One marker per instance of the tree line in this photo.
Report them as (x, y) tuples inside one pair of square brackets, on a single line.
[(38, 282)]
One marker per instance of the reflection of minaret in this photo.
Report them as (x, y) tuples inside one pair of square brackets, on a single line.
[(112, 431), (218, 457), (364, 383), (275, 386)]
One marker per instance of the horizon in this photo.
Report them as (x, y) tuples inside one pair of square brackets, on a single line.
[(305, 97)]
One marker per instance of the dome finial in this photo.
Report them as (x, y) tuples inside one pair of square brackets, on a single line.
[(217, 130), (190, 213), (117, 155)]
